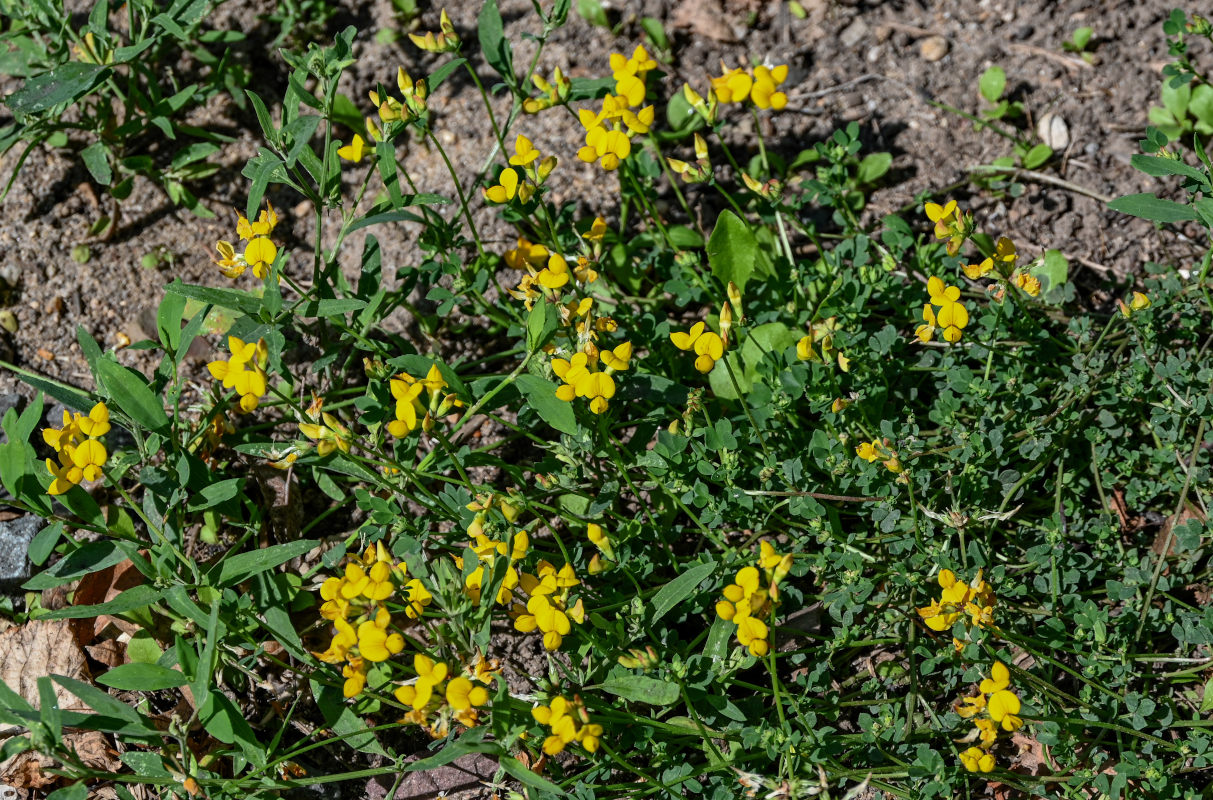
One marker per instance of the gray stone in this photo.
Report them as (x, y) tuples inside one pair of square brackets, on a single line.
[(854, 33), (15, 536), (7, 401)]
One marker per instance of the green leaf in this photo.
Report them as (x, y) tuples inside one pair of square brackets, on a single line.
[(400, 216), (64, 84), (1176, 99), (168, 320), (992, 83), (96, 161), (241, 567), (226, 723), (1037, 156), (540, 325), (642, 689), (541, 397), (235, 300), (732, 249), (346, 724), (1053, 272), (1149, 206), (132, 395), (873, 167), (143, 677), (91, 557), (493, 44), (515, 768), (679, 589), (215, 493), (134, 598), (101, 702), (1160, 167), (44, 541)]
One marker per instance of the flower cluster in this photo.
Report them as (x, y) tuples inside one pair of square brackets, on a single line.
[(1002, 264), (708, 346), (606, 550), (951, 224), (880, 450), (568, 722), (608, 133), (698, 172), (547, 607), (410, 411), (583, 377), (761, 86), (994, 708), (355, 603), (78, 443), (487, 552), (526, 173), (974, 601), (433, 700), (329, 434), (259, 253), (555, 93), (446, 41), (1136, 303), (950, 319), (411, 107), (243, 371), (545, 271), (753, 595), (818, 345)]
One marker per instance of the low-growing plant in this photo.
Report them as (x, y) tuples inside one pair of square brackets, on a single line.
[(115, 87), (789, 502)]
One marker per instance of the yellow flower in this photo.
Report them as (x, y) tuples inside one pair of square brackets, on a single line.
[(1004, 707), (525, 153), (463, 695), (263, 226), (230, 264), (765, 92), (374, 642), (733, 86), (1028, 283), (708, 346), (1139, 301), (508, 187), (332, 435), (354, 151), (950, 224), (260, 254), (244, 371), (406, 390), (977, 760), (616, 360)]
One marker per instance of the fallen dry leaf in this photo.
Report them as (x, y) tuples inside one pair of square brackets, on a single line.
[(703, 18), (101, 587), (37, 649), (24, 771), (111, 652)]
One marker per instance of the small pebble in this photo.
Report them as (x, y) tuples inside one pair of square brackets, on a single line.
[(933, 48), (854, 33), (1054, 131), (45, 354)]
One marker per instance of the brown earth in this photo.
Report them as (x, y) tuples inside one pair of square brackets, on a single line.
[(867, 62), (879, 64)]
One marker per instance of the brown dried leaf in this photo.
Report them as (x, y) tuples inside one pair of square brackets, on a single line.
[(110, 652), (101, 587), (94, 750), (703, 18), (24, 771), (1164, 537), (36, 649)]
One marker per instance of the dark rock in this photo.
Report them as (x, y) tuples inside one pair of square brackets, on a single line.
[(15, 536)]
